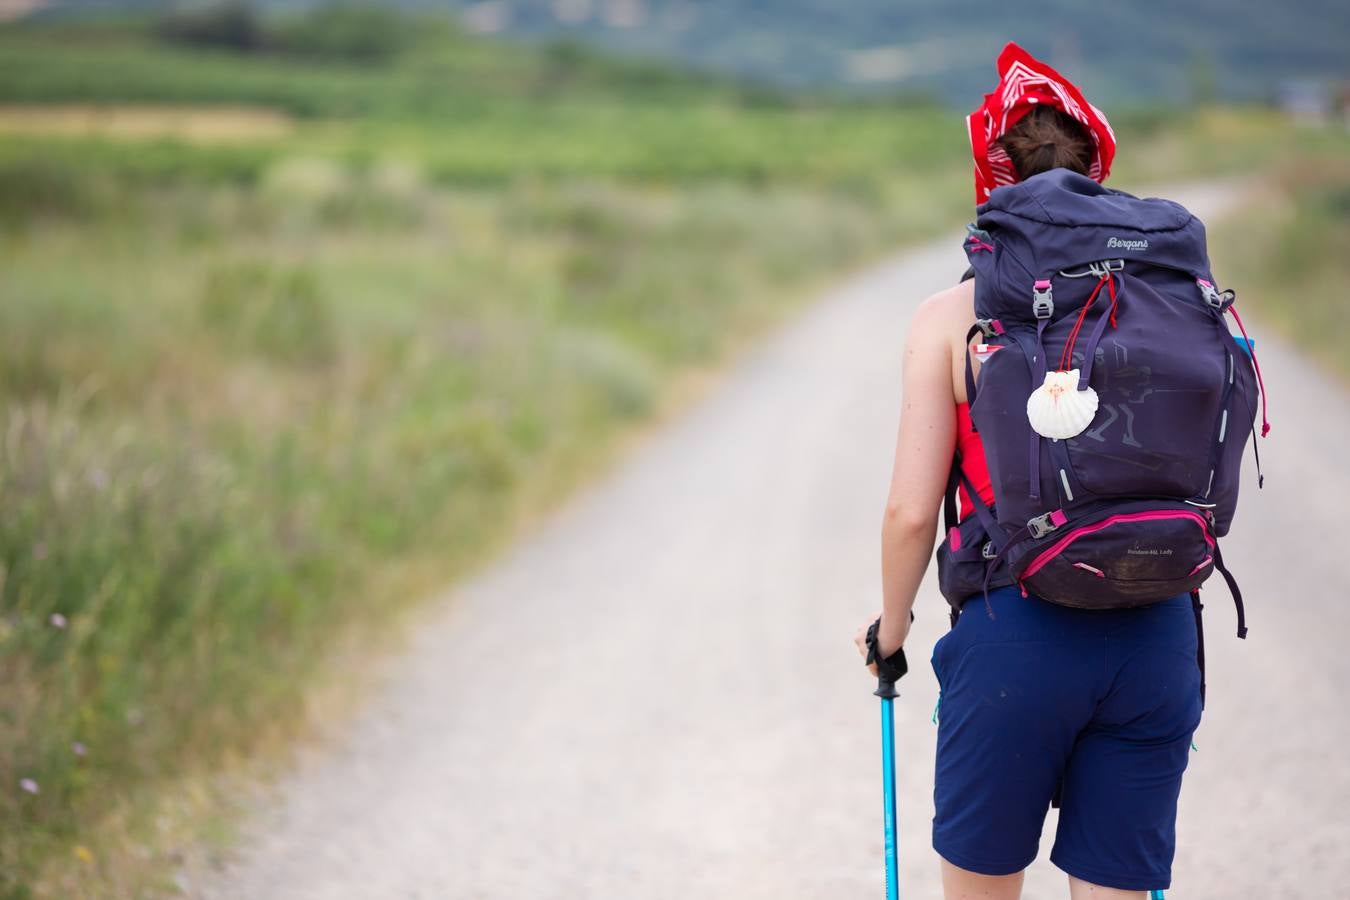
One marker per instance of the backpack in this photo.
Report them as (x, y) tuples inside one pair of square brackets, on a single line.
[(1112, 295)]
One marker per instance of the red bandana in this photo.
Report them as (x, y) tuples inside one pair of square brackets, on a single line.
[(1025, 82)]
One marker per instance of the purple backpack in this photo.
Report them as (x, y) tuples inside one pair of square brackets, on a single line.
[(1105, 329)]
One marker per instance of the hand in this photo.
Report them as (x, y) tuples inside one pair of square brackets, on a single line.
[(889, 638)]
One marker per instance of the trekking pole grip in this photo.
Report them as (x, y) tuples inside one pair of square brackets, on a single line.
[(886, 689), (890, 669)]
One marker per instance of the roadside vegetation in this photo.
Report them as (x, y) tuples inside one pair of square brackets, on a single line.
[(285, 320), (1284, 253), (277, 331)]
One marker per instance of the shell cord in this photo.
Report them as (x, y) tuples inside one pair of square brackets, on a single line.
[(1066, 358)]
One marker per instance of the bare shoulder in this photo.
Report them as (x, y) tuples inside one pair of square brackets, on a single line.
[(937, 333), (950, 312)]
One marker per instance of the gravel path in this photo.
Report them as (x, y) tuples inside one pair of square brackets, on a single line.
[(655, 694)]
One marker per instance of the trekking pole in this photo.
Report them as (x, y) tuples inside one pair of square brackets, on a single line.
[(887, 692), (889, 671), (1156, 895)]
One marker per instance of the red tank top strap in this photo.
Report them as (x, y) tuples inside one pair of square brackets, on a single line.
[(972, 461)]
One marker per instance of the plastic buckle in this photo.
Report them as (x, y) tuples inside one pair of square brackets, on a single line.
[(1042, 525), (1042, 299), (988, 551), (990, 328), (1211, 294)]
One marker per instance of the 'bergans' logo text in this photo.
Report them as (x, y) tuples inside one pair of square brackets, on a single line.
[(1126, 245)]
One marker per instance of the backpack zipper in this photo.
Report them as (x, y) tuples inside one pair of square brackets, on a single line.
[(1062, 544)]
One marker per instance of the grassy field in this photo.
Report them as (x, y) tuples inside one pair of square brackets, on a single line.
[(277, 329), (1284, 253), (264, 342)]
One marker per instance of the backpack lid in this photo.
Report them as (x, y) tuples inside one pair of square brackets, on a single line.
[(1060, 219)]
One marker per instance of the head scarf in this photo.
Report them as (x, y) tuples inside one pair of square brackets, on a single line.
[(1025, 82)]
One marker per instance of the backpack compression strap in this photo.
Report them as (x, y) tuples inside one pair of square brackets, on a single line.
[(1233, 589)]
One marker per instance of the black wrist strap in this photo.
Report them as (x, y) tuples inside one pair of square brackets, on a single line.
[(892, 668)]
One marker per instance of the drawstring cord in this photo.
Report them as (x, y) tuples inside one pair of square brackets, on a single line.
[(1066, 358)]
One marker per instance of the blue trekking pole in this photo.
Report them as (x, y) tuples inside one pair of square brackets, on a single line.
[(1156, 895), (889, 671)]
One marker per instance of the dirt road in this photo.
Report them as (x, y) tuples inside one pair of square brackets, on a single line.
[(655, 695)]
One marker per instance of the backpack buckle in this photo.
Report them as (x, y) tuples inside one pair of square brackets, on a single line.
[(1045, 524), (1042, 299), (1216, 299), (990, 328)]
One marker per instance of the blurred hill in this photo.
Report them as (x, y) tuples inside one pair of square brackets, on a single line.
[(1125, 51), (1148, 50)]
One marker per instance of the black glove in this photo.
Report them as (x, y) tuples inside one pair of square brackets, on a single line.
[(892, 668)]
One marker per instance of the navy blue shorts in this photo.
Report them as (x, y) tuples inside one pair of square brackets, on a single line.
[(1101, 702)]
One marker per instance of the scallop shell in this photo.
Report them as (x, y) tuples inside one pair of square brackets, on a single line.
[(1058, 409)]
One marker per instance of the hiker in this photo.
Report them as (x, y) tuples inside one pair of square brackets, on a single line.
[(1074, 668)]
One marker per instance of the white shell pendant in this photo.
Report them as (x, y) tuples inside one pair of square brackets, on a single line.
[(1057, 409)]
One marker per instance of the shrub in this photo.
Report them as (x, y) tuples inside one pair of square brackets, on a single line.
[(231, 25), (350, 31), (38, 187)]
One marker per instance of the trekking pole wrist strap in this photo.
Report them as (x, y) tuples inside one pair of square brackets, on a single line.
[(890, 669)]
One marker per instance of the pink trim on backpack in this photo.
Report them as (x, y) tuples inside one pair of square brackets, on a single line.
[(1093, 569), (981, 245), (954, 538), (1204, 562), (1059, 546)]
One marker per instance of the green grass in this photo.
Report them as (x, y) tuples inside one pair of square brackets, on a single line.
[(466, 110), (244, 384), (225, 412), (443, 72), (1283, 252)]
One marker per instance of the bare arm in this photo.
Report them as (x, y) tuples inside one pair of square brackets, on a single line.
[(923, 455)]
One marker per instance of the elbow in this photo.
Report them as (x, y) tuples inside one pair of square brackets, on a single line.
[(905, 520)]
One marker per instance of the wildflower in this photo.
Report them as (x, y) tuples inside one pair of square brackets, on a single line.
[(78, 749), (28, 785), (57, 620)]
